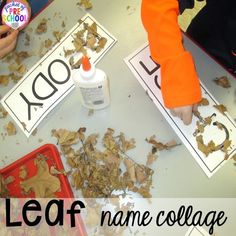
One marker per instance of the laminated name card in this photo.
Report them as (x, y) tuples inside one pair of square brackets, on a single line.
[(211, 137), (50, 80)]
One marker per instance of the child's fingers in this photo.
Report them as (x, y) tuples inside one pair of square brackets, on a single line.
[(187, 116), (4, 29), (6, 41), (195, 107)]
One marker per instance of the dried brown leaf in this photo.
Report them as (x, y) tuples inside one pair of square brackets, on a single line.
[(203, 102), (4, 192), (42, 26), (65, 137), (20, 56), (160, 146), (11, 129), (58, 35), (86, 4), (3, 112), (126, 144), (101, 44), (205, 148), (151, 158), (43, 184), (221, 108), (223, 82), (130, 167), (48, 43), (4, 80), (23, 173)]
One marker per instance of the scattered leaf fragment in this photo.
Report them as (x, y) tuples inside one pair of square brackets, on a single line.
[(55, 171), (65, 137), (205, 148), (58, 35), (130, 166), (4, 80), (4, 192), (160, 146), (221, 108), (11, 129), (48, 43), (151, 158), (222, 81), (42, 26), (203, 102), (86, 4), (23, 173), (3, 112)]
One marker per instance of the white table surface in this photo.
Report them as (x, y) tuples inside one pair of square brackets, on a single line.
[(176, 173)]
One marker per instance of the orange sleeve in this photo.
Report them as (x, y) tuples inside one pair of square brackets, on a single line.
[(179, 81)]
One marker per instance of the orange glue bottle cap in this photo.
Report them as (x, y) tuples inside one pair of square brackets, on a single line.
[(86, 65)]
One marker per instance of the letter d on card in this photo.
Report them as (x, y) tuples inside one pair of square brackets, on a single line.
[(49, 81)]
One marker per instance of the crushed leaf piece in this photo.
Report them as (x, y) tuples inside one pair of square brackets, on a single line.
[(3, 112), (200, 127), (68, 52), (151, 158), (4, 192), (58, 35), (66, 137), (23, 173), (126, 144), (15, 78), (20, 56), (42, 26), (206, 149), (226, 145), (160, 146), (75, 65), (34, 132), (101, 44), (4, 80), (221, 108), (11, 129), (86, 4), (208, 120), (130, 166), (55, 171), (203, 102), (223, 82), (23, 125), (48, 43)]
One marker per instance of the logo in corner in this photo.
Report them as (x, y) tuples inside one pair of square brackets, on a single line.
[(15, 14)]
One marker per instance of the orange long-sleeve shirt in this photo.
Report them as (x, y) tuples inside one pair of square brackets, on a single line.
[(179, 81)]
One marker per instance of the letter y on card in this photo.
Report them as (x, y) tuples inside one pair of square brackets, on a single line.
[(49, 81)]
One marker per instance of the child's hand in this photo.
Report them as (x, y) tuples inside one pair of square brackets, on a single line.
[(8, 43), (185, 113)]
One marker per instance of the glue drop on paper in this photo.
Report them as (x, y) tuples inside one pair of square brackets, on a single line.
[(92, 85)]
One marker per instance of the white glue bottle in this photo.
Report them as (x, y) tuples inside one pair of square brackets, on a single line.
[(93, 85)]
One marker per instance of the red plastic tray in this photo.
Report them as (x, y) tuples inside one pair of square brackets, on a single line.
[(53, 159)]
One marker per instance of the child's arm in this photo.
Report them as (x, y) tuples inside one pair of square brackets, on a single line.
[(179, 81)]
